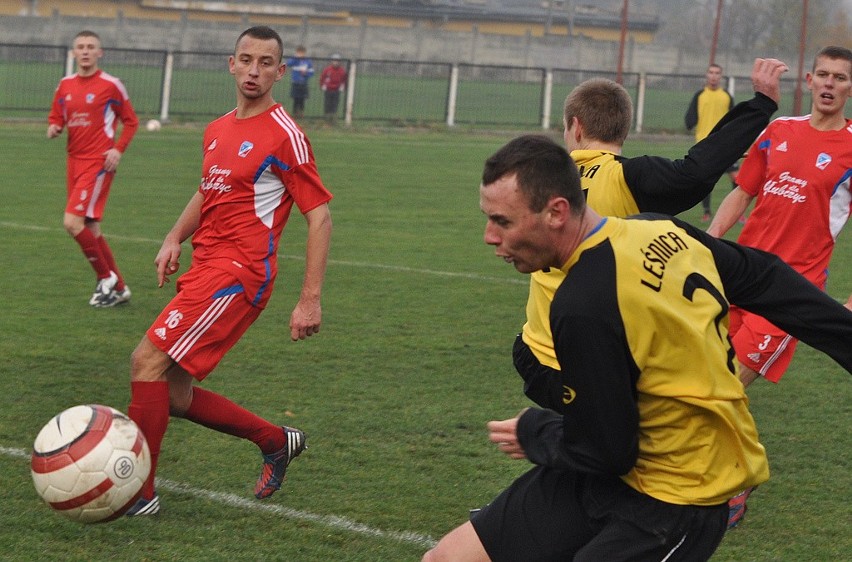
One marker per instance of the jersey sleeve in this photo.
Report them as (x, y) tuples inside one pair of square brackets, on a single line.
[(129, 124), (302, 178), (57, 113), (672, 186), (690, 119), (598, 430), (306, 187), (751, 173)]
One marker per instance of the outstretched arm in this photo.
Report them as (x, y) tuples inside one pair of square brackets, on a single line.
[(672, 186), (763, 284)]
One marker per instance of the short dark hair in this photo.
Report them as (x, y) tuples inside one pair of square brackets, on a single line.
[(834, 52), (543, 170), (264, 33), (87, 33), (603, 107)]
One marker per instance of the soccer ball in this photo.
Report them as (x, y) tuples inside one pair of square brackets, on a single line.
[(153, 125), (89, 463)]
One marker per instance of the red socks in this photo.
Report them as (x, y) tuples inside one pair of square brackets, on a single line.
[(99, 254), (92, 250), (149, 408), (110, 260), (216, 412)]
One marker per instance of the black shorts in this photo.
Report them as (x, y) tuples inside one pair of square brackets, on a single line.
[(550, 514)]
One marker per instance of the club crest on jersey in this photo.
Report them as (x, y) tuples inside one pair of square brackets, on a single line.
[(90, 98), (245, 148), (823, 160)]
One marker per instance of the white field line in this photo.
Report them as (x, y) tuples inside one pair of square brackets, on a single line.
[(233, 501), (367, 265)]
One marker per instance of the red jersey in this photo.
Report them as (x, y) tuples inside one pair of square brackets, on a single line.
[(333, 78), (801, 180), (254, 170), (89, 106)]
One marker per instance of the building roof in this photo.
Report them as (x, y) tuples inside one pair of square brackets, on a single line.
[(515, 11)]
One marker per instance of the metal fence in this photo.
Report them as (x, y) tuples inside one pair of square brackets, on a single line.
[(196, 86)]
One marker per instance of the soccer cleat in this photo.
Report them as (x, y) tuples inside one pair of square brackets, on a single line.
[(104, 287), (144, 507), (275, 464), (737, 507), (113, 298)]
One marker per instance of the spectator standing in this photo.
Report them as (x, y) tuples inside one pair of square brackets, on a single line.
[(332, 83), (301, 70), (90, 103)]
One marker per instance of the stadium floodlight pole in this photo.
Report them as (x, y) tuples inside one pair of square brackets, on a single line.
[(618, 77), (715, 41), (797, 95)]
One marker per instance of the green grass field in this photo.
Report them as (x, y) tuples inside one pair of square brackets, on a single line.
[(413, 359)]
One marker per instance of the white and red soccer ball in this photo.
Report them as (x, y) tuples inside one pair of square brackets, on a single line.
[(89, 463)]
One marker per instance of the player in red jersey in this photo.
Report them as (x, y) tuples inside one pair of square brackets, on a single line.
[(257, 164), (89, 103), (799, 171)]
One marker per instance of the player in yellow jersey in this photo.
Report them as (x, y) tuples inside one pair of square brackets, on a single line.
[(652, 433)]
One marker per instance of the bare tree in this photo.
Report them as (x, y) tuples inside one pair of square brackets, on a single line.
[(753, 28)]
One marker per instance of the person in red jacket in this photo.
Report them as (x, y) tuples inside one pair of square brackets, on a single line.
[(332, 83), (89, 103)]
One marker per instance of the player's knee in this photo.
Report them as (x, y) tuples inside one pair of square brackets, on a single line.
[(147, 363), (73, 225)]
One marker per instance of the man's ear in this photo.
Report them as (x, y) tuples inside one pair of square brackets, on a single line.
[(558, 211), (578, 129)]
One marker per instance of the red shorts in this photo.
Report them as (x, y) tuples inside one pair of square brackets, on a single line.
[(206, 318), (88, 187), (761, 346)]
